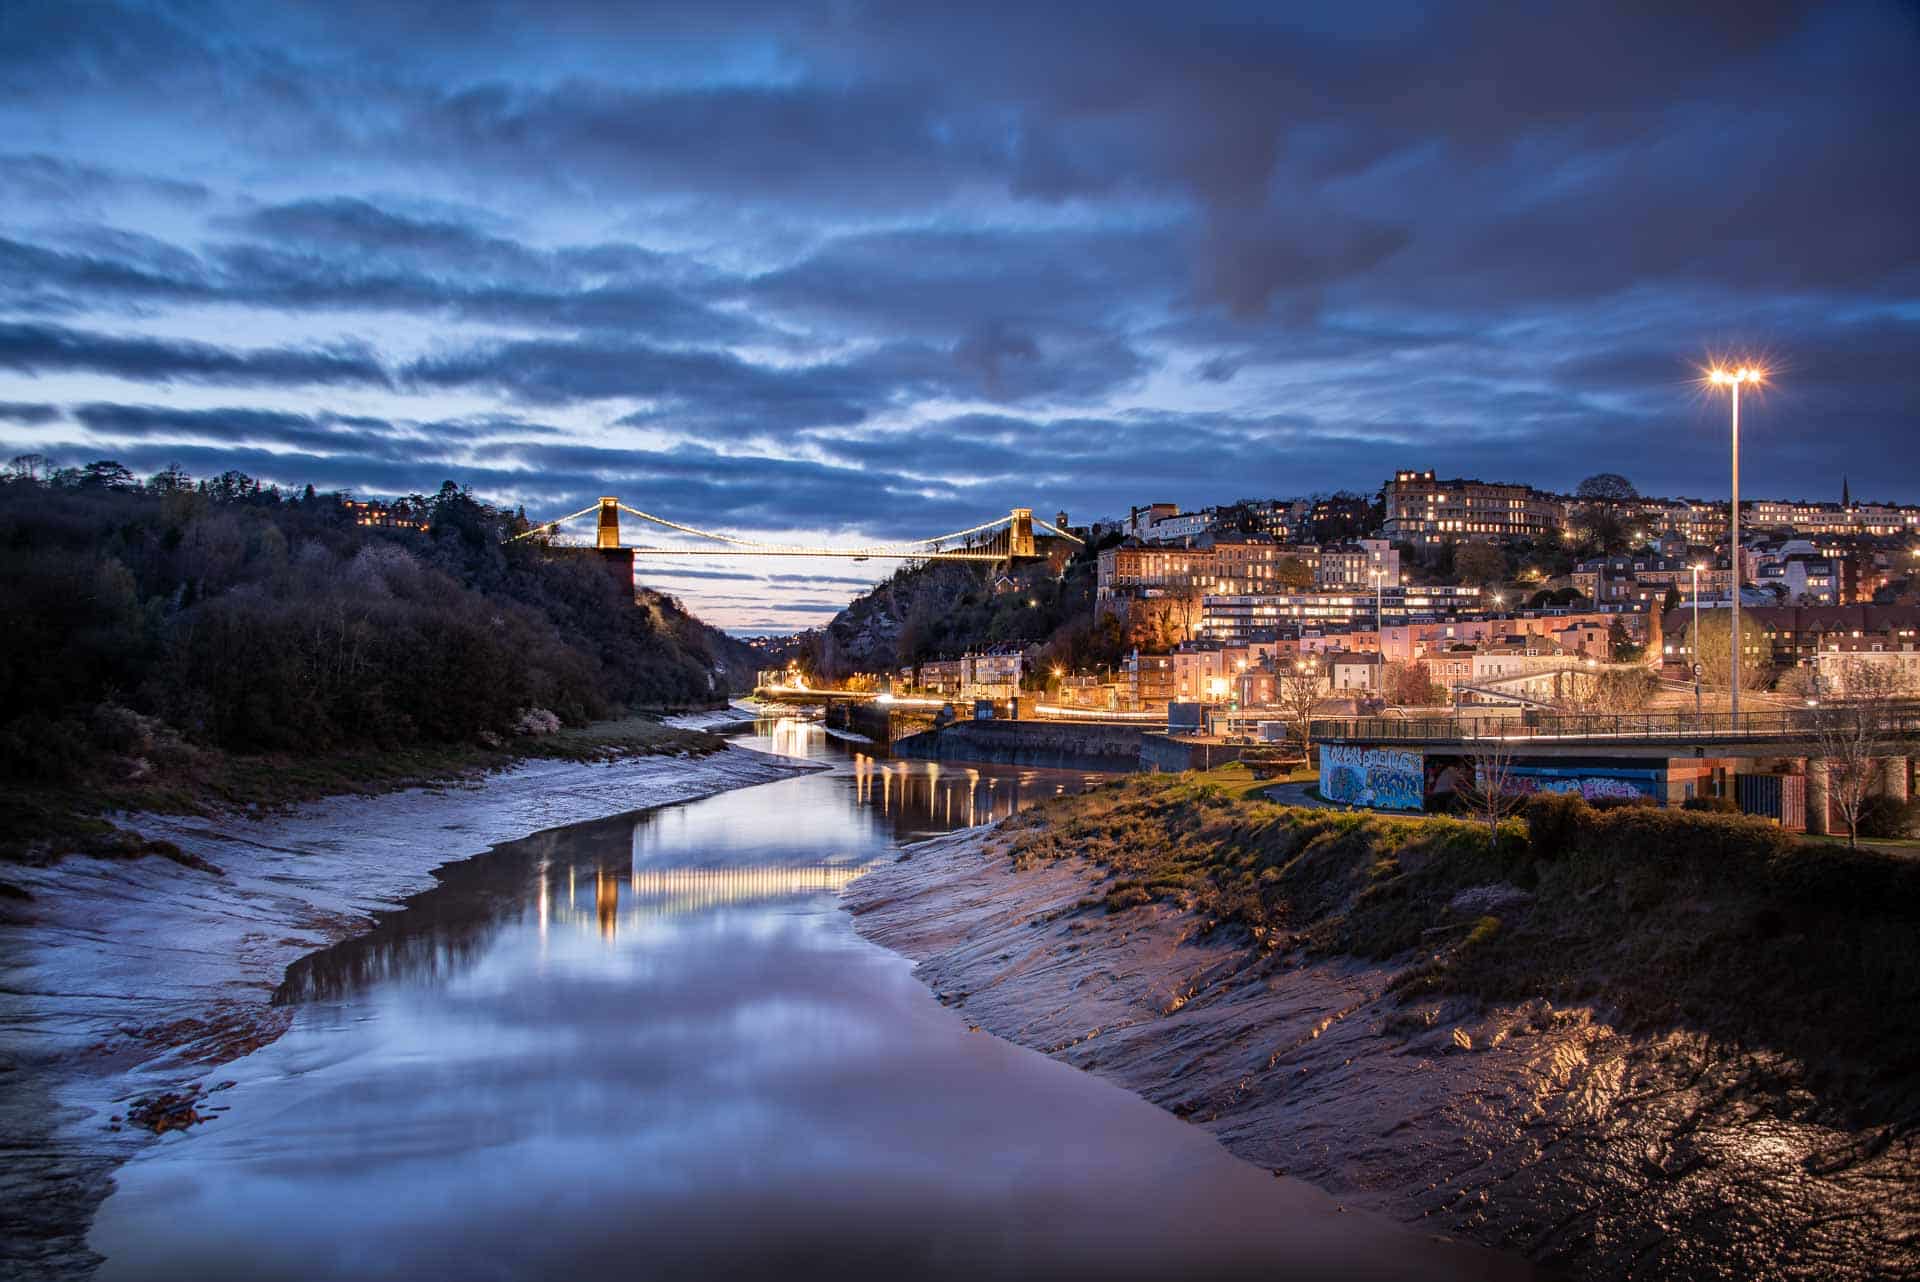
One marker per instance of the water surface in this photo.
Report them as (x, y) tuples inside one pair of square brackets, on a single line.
[(654, 1046)]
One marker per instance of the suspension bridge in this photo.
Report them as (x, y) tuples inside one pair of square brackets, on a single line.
[(1004, 538)]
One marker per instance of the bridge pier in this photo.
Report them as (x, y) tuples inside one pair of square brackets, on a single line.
[(1819, 817), (1895, 781)]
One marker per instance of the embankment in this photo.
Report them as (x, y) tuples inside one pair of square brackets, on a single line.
[(1641, 1045), (122, 977)]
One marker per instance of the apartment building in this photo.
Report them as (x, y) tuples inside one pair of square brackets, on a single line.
[(1146, 682), (1618, 580), (1586, 633), (1351, 567), (1243, 617), (1426, 512), (1830, 518), (1245, 563), (1789, 635), (1697, 522), (1181, 526)]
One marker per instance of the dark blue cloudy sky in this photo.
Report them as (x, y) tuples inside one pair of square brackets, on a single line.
[(853, 271)]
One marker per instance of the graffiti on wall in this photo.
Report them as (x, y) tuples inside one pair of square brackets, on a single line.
[(1390, 778), (1612, 785)]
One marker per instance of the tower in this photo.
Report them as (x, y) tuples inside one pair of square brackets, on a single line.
[(608, 534), (1020, 533)]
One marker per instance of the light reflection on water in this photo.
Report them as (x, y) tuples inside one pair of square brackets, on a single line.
[(654, 1046)]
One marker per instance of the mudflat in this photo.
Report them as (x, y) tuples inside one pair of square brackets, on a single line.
[(1603, 1062)]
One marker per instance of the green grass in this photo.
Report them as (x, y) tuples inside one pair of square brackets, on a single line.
[(1660, 918)]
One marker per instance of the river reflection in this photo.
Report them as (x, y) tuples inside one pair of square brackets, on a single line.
[(654, 1047)]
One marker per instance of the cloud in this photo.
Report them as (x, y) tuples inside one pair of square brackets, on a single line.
[(28, 413), (40, 179), (37, 348), (889, 272)]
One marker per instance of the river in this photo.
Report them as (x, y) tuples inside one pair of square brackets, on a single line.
[(654, 1046)]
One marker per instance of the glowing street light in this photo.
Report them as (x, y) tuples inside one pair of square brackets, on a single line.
[(1732, 380)]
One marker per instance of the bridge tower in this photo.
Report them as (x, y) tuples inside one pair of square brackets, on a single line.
[(1020, 533), (608, 535)]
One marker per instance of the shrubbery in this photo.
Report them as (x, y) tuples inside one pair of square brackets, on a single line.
[(1712, 805), (1884, 816)]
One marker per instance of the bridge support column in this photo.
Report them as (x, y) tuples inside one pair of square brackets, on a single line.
[(1818, 818), (607, 534), (1895, 782)]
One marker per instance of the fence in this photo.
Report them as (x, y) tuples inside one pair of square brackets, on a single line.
[(1900, 722)]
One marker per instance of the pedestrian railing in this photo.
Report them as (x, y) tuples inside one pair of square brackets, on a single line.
[(1898, 722)]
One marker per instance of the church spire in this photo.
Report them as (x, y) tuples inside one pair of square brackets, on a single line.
[(1846, 499)]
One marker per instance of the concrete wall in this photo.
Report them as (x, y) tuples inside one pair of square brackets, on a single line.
[(1167, 753), (1029, 743)]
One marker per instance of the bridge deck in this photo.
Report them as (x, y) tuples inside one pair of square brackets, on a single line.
[(1788, 733)]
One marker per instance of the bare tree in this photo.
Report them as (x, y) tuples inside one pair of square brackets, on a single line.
[(1297, 687), (1713, 649), (1607, 691), (1854, 733), (1490, 791)]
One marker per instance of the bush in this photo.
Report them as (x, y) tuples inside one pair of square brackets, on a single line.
[(1554, 823), (1884, 816), (1712, 805)]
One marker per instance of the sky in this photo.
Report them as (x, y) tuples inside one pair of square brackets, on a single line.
[(847, 272)]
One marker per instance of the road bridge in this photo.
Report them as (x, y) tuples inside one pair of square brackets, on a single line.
[(1779, 764)]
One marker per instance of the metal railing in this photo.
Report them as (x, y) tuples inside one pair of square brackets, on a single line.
[(1899, 722)]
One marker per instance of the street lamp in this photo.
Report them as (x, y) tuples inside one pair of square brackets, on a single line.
[(1375, 574), (1695, 639), (1732, 379)]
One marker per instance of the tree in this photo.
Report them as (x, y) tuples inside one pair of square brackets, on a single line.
[(1490, 791), (170, 480), (1158, 624), (107, 474), (1408, 684), (1480, 565), (27, 467), (1296, 688), (1608, 487), (1609, 692), (1293, 573), (1713, 649), (1601, 529), (1854, 734), (1673, 600)]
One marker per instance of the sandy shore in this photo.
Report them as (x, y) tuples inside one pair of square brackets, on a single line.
[(1537, 1130), (120, 978)]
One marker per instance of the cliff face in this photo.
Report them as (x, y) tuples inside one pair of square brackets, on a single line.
[(941, 609)]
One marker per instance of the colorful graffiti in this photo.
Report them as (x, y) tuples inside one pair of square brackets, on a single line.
[(1613, 785), (1390, 778)]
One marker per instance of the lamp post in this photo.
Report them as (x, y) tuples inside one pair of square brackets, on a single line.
[(1376, 605), (1732, 379), (1695, 638)]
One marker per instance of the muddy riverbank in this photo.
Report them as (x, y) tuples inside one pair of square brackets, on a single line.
[(123, 978), (1599, 1146)]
